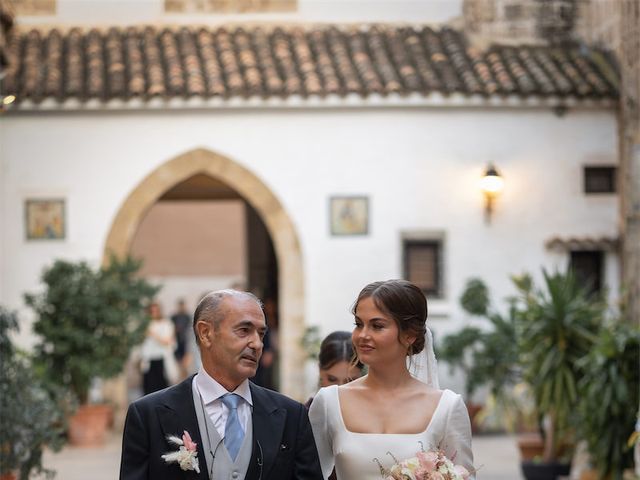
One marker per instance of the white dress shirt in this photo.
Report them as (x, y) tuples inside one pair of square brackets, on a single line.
[(211, 392)]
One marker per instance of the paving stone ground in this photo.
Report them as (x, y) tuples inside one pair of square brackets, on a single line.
[(495, 455)]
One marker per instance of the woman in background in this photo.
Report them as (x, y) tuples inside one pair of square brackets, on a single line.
[(336, 361), (159, 368)]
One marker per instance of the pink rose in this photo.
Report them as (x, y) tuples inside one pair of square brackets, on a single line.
[(422, 474), (188, 443), (428, 460), (463, 472)]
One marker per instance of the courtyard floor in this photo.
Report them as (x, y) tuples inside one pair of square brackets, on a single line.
[(496, 457)]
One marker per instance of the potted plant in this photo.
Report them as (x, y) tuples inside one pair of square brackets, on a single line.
[(609, 398), (556, 326), (89, 320), (488, 356), (31, 416)]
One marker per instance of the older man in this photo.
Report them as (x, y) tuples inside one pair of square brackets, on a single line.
[(225, 426)]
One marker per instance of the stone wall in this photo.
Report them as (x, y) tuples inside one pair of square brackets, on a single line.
[(518, 21), (228, 6), (35, 7), (629, 55)]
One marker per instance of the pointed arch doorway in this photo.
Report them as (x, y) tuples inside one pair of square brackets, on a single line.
[(277, 223)]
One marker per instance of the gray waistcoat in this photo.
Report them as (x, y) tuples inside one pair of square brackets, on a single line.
[(215, 452)]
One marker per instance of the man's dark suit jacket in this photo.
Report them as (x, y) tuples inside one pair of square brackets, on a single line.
[(283, 444)]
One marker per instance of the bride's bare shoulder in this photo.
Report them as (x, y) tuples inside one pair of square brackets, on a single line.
[(355, 385), (428, 391)]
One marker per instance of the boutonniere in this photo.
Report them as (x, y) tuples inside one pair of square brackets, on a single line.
[(187, 454)]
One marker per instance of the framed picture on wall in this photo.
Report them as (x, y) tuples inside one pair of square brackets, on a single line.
[(349, 215), (45, 219)]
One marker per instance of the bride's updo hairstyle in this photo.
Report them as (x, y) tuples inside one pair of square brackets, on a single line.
[(402, 301)]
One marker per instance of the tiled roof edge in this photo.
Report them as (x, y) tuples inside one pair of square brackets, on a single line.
[(286, 60)]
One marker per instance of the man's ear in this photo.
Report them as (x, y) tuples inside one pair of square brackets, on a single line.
[(205, 333)]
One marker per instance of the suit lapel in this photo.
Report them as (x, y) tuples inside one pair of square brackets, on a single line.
[(176, 414), (268, 427)]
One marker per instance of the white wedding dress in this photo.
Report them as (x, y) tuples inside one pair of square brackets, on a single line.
[(353, 454)]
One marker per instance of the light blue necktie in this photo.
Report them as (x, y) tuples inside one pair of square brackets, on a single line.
[(233, 433)]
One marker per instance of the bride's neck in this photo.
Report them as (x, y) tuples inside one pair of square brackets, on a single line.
[(388, 378)]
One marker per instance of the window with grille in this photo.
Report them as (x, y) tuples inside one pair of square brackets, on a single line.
[(600, 179), (587, 266), (422, 265)]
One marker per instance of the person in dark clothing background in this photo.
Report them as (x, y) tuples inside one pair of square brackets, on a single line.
[(182, 323)]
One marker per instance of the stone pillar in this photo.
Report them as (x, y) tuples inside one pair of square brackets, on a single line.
[(630, 155)]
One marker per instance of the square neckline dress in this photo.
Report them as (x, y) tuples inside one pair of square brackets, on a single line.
[(353, 454)]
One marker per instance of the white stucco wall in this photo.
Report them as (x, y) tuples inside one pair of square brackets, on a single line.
[(418, 166)]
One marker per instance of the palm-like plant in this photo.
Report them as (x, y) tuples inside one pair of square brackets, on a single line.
[(487, 356), (557, 326), (609, 396)]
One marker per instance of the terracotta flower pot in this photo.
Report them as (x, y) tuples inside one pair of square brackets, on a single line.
[(88, 426), (8, 476), (531, 445)]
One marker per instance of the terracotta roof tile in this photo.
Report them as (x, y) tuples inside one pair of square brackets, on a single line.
[(525, 81), (137, 84), (364, 66), (544, 84), (441, 62), (12, 70), (455, 49), (212, 69), (589, 73), (554, 74), (286, 62), (75, 65), (405, 68), (420, 57), (338, 46), (115, 69), (583, 243), (306, 63), (33, 65), (172, 62), (53, 78), (326, 69), (155, 70), (380, 61), (233, 77), (570, 71), (500, 71), (165, 62), (95, 65)]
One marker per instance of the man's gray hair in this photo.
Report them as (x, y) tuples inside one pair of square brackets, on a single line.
[(208, 309)]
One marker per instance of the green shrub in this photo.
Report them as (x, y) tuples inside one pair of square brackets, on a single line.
[(609, 397), (32, 412), (89, 320)]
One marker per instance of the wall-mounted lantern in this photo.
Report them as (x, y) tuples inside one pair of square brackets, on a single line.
[(491, 185)]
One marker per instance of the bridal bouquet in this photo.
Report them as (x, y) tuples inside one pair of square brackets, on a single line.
[(430, 465)]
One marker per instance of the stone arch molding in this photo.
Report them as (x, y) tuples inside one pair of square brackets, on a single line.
[(276, 219)]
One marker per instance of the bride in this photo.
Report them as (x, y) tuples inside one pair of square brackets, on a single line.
[(395, 408)]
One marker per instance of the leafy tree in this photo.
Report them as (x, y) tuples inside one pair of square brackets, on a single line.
[(31, 413), (89, 320), (486, 356)]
